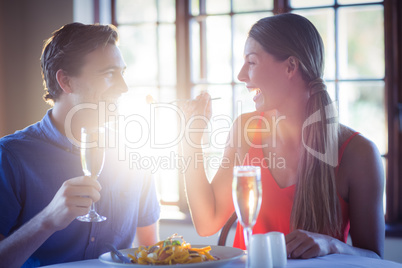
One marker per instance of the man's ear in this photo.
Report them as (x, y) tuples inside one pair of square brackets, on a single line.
[(292, 66), (64, 81)]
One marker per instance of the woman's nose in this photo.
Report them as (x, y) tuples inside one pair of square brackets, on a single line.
[(242, 76)]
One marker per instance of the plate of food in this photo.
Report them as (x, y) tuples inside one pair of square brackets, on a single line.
[(174, 251)]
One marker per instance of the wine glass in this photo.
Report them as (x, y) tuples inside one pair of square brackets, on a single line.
[(92, 160), (247, 196)]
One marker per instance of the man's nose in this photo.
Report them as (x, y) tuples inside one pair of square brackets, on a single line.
[(122, 85)]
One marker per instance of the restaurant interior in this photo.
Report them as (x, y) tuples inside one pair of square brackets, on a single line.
[(176, 49)]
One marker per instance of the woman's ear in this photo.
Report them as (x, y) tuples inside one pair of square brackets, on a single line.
[(292, 66), (64, 81)]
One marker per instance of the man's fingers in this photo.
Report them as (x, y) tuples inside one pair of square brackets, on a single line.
[(81, 211), (79, 201), (86, 191), (83, 181)]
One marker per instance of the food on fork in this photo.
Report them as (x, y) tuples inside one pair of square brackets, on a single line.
[(150, 99)]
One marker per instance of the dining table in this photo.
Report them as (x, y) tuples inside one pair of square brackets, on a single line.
[(329, 261)]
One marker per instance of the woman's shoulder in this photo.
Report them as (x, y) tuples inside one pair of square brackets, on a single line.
[(252, 119), (243, 130), (360, 157), (246, 120), (361, 172), (248, 116), (353, 142)]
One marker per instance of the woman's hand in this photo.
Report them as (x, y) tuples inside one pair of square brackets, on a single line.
[(198, 112), (305, 245)]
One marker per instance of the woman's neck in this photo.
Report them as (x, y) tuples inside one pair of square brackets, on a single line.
[(292, 117)]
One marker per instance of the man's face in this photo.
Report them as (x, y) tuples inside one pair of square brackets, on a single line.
[(101, 77)]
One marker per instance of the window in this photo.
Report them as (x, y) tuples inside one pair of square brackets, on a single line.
[(218, 31), (354, 72), (176, 49), (147, 41)]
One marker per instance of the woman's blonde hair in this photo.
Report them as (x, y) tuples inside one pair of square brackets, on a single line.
[(316, 205)]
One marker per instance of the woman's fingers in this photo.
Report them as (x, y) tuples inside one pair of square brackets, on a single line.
[(304, 244), (293, 241), (300, 247), (199, 108)]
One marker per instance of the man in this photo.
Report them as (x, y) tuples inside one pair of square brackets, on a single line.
[(42, 187)]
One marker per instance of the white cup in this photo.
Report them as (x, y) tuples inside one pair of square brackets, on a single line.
[(278, 249), (260, 251)]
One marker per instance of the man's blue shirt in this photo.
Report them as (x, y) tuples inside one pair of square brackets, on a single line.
[(35, 162)]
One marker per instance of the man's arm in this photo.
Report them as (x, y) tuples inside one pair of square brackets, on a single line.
[(19, 246), (148, 235), (73, 199)]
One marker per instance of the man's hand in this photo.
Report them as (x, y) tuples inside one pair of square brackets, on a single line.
[(73, 199)]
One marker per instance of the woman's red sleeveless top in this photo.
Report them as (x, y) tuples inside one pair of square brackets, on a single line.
[(277, 202)]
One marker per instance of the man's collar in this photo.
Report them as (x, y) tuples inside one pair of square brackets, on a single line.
[(54, 136)]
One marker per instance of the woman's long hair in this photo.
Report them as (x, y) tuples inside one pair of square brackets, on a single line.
[(316, 205)]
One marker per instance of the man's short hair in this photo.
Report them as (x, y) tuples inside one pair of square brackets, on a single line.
[(66, 49)]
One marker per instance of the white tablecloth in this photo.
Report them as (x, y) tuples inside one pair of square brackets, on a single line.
[(330, 261)]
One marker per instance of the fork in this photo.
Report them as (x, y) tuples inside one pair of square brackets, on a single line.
[(151, 100), (119, 255)]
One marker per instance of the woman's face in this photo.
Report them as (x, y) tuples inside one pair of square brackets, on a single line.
[(264, 74)]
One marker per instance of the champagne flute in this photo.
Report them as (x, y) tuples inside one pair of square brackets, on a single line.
[(92, 160), (247, 196)]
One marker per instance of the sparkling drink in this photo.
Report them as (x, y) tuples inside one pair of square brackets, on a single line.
[(248, 200), (247, 197), (92, 160)]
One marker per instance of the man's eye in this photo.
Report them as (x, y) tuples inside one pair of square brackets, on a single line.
[(108, 74), (251, 63)]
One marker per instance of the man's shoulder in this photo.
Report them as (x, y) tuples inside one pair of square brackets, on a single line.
[(21, 137)]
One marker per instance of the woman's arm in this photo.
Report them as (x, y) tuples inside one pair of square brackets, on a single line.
[(148, 235), (361, 165), (366, 188), (210, 203)]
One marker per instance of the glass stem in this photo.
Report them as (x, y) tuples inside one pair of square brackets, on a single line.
[(92, 208), (247, 235)]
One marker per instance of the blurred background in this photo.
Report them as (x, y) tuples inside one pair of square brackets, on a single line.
[(176, 49)]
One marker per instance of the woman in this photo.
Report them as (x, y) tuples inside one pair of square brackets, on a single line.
[(330, 178)]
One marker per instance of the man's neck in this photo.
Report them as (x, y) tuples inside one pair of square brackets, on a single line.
[(58, 118), (69, 121)]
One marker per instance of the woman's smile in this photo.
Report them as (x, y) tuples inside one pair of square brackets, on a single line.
[(258, 94)]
